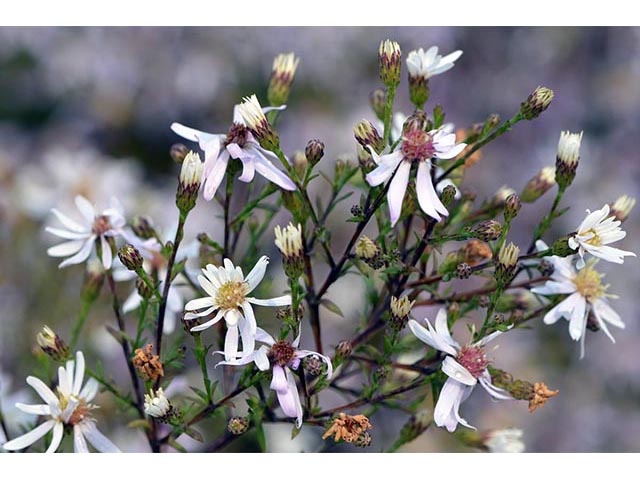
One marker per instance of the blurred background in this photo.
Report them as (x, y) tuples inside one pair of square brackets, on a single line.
[(87, 110)]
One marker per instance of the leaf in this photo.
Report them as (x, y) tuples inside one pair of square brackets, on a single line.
[(193, 433), (174, 443), (332, 307), (295, 432), (138, 423)]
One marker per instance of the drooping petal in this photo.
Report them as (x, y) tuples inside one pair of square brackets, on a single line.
[(107, 254), (578, 320), (213, 321), (446, 410), (248, 164), (278, 379), (231, 342), (97, 439), (79, 443), (269, 171), (213, 173), (456, 371), (264, 337), (427, 197), (397, 189), (56, 439), (30, 437), (78, 374)]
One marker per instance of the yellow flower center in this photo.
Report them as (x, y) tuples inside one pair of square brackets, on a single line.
[(588, 282), (231, 295), (80, 413), (596, 241)]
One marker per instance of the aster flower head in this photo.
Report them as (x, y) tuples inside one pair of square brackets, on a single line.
[(281, 357), (69, 406), (426, 64), (465, 366), (417, 146), (157, 405), (586, 295), (594, 235), (95, 227), (228, 292), (238, 143)]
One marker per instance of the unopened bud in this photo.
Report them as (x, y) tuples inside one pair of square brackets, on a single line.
[(567, 158), (622, 207), (487, 230), (500, 197), (178, 152), (561, 247), (389, 55), (51, 344), (289, 242), (539, 185), (238, 425), (189, 184), (367, 136), (491, 122), (400, 310), (507, 261), (448, 195), (300, 163), (512, 206), (546, 268), (378, 101), (143, 227), (93, 280), (369, 252), (463, 271), (282, 75), (313, 365), (536, 103), (416, 122), (314, 151), (255, 119), (130, 257), (344, 348)]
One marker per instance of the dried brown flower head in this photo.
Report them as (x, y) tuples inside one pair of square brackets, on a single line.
[(149, 365), (348, 428), (541, 394), (474, 252)]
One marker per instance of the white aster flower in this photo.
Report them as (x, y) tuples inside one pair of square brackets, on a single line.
[(239, 143), (156, 404), (70, 406), (465, 366), (228, 289), (586, 293), (416, 146), (594, 235), (83, 235), (508, 440), (427, 64), (281, 356)]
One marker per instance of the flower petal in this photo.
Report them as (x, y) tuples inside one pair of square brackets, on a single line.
[(31, 437)]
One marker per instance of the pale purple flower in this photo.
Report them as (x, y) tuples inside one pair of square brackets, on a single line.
[(281, 356), (239, 144), (420, 147), (69, 406), (425, 65), (82, 236), (594, 235), (586, 294), (466, 366), (228, 289)]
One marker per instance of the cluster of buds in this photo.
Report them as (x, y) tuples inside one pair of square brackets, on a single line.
[(282, 75), (189, 184), (289, 242), (389, 55), (539, 185), (536, 393), (507, 261), (622, 207), (148, 365), (567, 158), (536, 103), (378, 101), (93, 280), (367, 136), (255, 119), (399, 312), (314, 151), (130, 257), (487, 230), (350, 429), (51, 344), (157, 405), (367, 251)]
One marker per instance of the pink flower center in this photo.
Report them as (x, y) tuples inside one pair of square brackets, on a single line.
[(417, 146), (101, 225), (238, 133), (282, 353), (473, 359)]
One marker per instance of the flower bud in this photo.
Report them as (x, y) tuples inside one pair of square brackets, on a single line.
[(512, 206), (344, 349), (314, 151), (238, 425), (157, 405), (300, 163), (463, 271), (507, 261), (313, 365), (289, 242), (282, 75), (189, 184), (400, 310), (622, 207), (539, 185), (546, 268), (492, 121), (561, 247), (142, 227), (389, 61), (367, 135), (536, 103), (378, 101), (567, 158), (143, 289), (500, 197), (364, 440), (369, 252), (93, 280), (448, 195), (178, 152), (130, 257), (51, 344), (487, 230), (253, 116)]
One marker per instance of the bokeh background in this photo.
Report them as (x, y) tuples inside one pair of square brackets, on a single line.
[(87, 110)]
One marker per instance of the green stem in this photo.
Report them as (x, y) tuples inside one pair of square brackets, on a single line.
[(201, 356), (84, 312), (388, 114)]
